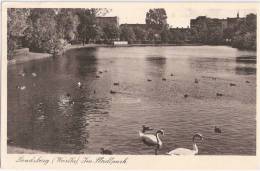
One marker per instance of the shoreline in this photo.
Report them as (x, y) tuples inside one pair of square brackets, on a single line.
[(20, 150), (30, 56)]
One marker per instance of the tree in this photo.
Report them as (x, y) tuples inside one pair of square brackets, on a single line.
[(67, 23), (140, 34), (111, 32), (151, 36), (41, 34), (156, 16), (16, 24), (86, 28), (127, 34), (245, 35), (166, 36)]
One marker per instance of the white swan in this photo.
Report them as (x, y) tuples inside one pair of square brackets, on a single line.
[(152, 140), (80, 85), (185, 151)]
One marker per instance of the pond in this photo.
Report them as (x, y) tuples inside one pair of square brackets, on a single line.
[(40, 119)]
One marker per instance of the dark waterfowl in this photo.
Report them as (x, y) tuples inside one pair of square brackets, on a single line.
[(146, 128), (116, 83), (112, 92), (217, 130), (9, 141), (106, 151), (186, 95), (219, 94)]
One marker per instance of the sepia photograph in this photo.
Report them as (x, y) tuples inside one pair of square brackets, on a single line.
[(132, 80)]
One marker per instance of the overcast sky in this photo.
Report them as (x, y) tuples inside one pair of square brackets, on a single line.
[(176, 17)]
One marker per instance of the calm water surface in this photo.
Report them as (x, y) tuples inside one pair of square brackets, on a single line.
[(112, 121)]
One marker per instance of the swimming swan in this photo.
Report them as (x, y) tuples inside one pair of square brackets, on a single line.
[(185, 151), (152, 139)]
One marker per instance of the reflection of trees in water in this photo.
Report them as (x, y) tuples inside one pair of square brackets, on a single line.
[(246, 65), (79, 62), (246, 59), (74, 131), (85, 60), (207, 64), (159, 62), (245, 70)]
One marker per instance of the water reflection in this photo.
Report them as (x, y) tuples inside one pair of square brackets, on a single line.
[(245, 70), (246, 59), (42, 118)]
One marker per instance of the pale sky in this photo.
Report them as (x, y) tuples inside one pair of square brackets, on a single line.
[(176, 17)]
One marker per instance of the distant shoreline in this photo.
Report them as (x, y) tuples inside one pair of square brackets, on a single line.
[(30, 56)]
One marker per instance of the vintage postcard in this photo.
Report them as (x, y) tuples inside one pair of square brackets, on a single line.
[(129, 85)]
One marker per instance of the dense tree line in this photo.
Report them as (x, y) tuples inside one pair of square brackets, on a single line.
[(49, 30), (244, 35)]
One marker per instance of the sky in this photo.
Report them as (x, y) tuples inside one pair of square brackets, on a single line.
[(176, 17)]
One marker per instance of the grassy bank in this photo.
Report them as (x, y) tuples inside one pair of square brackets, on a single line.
[(29, 56)]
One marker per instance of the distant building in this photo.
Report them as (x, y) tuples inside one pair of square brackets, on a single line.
[(103, 21), (203, 24)]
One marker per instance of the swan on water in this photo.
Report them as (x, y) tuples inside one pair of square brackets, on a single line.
[(152, 139), (67, 99), (79, 85), (185, 151), (21, 87), (22, 73), (34, 74)]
